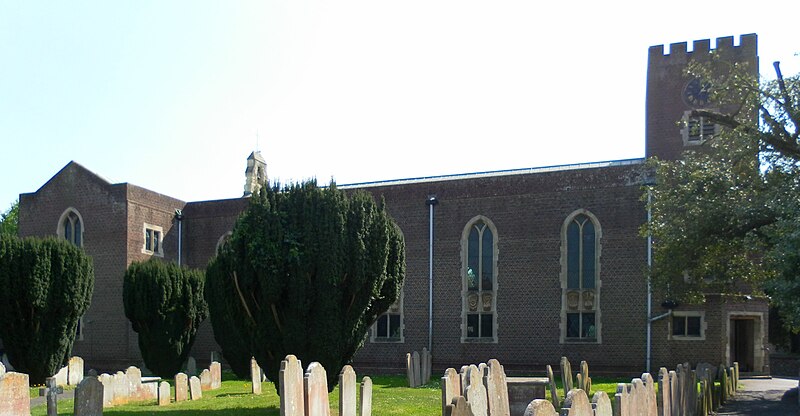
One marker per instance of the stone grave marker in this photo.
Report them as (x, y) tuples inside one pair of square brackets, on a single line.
[(497, 389), (181, 387), (410, 369), (108, 393), (476, 392), (416, 365), (121, 388), (255, 376), (650, 389), (74, 371), (163, 393), (195, 391), (315, 383), (551, 380), (62, 376), (622, 399), (15, 397), (638, 398), (347, 391), (290, 379), (425, 365), (451, 387), (586, 386), (602, 404), (664, 393), (216, 375), (459, 407), (578, 403), (366, 396), (89, 397), (191, 366), (674, 395), (464, 379), (540, 407), (205, 379), (566, 375), (134, 378), (51, 392)]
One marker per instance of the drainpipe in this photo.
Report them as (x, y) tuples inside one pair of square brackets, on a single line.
[(179, 218), (649, 279), (431, 202)]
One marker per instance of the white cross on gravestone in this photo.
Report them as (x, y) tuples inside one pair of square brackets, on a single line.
[(51, 391)]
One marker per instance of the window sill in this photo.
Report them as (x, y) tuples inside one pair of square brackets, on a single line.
[(479, 340), (387, 340)]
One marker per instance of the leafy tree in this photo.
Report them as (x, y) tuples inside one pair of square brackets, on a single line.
[(306, 272), (9, 220), (46, 287), (165, 305), (725, 216)]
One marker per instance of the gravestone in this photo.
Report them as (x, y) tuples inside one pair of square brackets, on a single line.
[(578, 404), (664, 393), (674, 395), (315, 383), (476, 392), (551, 380), (366, 396), (566, 375), (602, 404), (736, 374), (216, 375), (623, 401), (410, 369), (108, 393), (134, 378), (255, 376), (459, 407), (89, 397), (191, 366), (425, 365), (62, 376), (464, 379), (290, 379), (52, 396), (638, 398), (497, 389), (195, 392), (586, 382), (181, 387), (651, 403), (417, 369), (205, 379), (163, 393), (15, 397), (451, 387), (121, 388), (347, 391), (540, 407), (74, 371)]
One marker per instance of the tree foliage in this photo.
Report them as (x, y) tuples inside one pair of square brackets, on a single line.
[(165, 305), (725, 216), (46, 287), (306, 272), (9, 220), (222, 312)]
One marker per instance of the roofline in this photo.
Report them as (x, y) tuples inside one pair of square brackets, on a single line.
[(494, 173)]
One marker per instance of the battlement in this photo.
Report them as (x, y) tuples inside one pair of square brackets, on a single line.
[(678, 52)]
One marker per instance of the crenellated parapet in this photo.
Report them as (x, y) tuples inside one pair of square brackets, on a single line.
[(701, 49)]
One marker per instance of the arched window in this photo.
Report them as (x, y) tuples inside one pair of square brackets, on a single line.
[(580, 278), (479, 271), (70, 227)]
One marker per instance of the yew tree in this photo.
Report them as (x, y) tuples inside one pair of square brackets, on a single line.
[(45, 287), (306, 272), (165, 305)]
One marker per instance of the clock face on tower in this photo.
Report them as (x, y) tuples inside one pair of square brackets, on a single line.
[(696, 93)]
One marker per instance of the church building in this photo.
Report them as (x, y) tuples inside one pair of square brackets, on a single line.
[(524, 266)]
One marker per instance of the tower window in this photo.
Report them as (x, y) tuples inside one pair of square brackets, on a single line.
[(70, 227), (153, 239), (696, 130)]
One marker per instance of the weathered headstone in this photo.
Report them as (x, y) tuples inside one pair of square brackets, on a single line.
[(205, 379), (191, 366), (163, 393), (410, 369), (464, 379), (366, 396), (476, 392), (674, 395), (566, 375), (638, 398), (89, 397), (551, 381), (497, 389), (255, 376), (651, 404), (736, 375), (664, 393), (578, 403), (622, 400), (52, 396), (181, 387), (15, 398), (216, 375), (121, 388), (586, 386), (290, 379), (62, 376), (451, 387), (459, 407), (540, 407), (679, 405), (315, 383), (74, 371), (347, 391), (602, 404), (108, 393), (134, 378), (195, 392), (417, 366)]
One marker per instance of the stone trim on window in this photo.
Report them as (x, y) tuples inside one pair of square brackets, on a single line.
[(70, 226), (479, 277), (687, 326), (389, 327), (581, 317), (153, 240)]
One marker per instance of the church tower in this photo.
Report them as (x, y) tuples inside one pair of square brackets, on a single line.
[(671, 94), (255, 174)]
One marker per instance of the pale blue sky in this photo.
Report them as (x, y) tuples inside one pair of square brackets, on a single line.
[(169, 95)]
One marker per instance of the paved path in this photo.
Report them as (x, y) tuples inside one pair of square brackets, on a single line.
[(68, 394), (764, 397)]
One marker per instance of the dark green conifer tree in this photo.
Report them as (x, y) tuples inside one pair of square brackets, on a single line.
[(45, 288), (165, 305), (307, 271)]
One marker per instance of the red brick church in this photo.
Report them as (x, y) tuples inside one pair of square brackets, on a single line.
[(524, 266)]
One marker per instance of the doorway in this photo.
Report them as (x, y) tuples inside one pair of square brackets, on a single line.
[(742, 343)]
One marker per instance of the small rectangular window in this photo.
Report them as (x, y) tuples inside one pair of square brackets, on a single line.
[(153, 243), (687, 326)]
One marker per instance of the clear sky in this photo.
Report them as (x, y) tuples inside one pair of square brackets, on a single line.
[(172, 95)]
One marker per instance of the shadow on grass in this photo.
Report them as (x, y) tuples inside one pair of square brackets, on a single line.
[(270, 410)]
